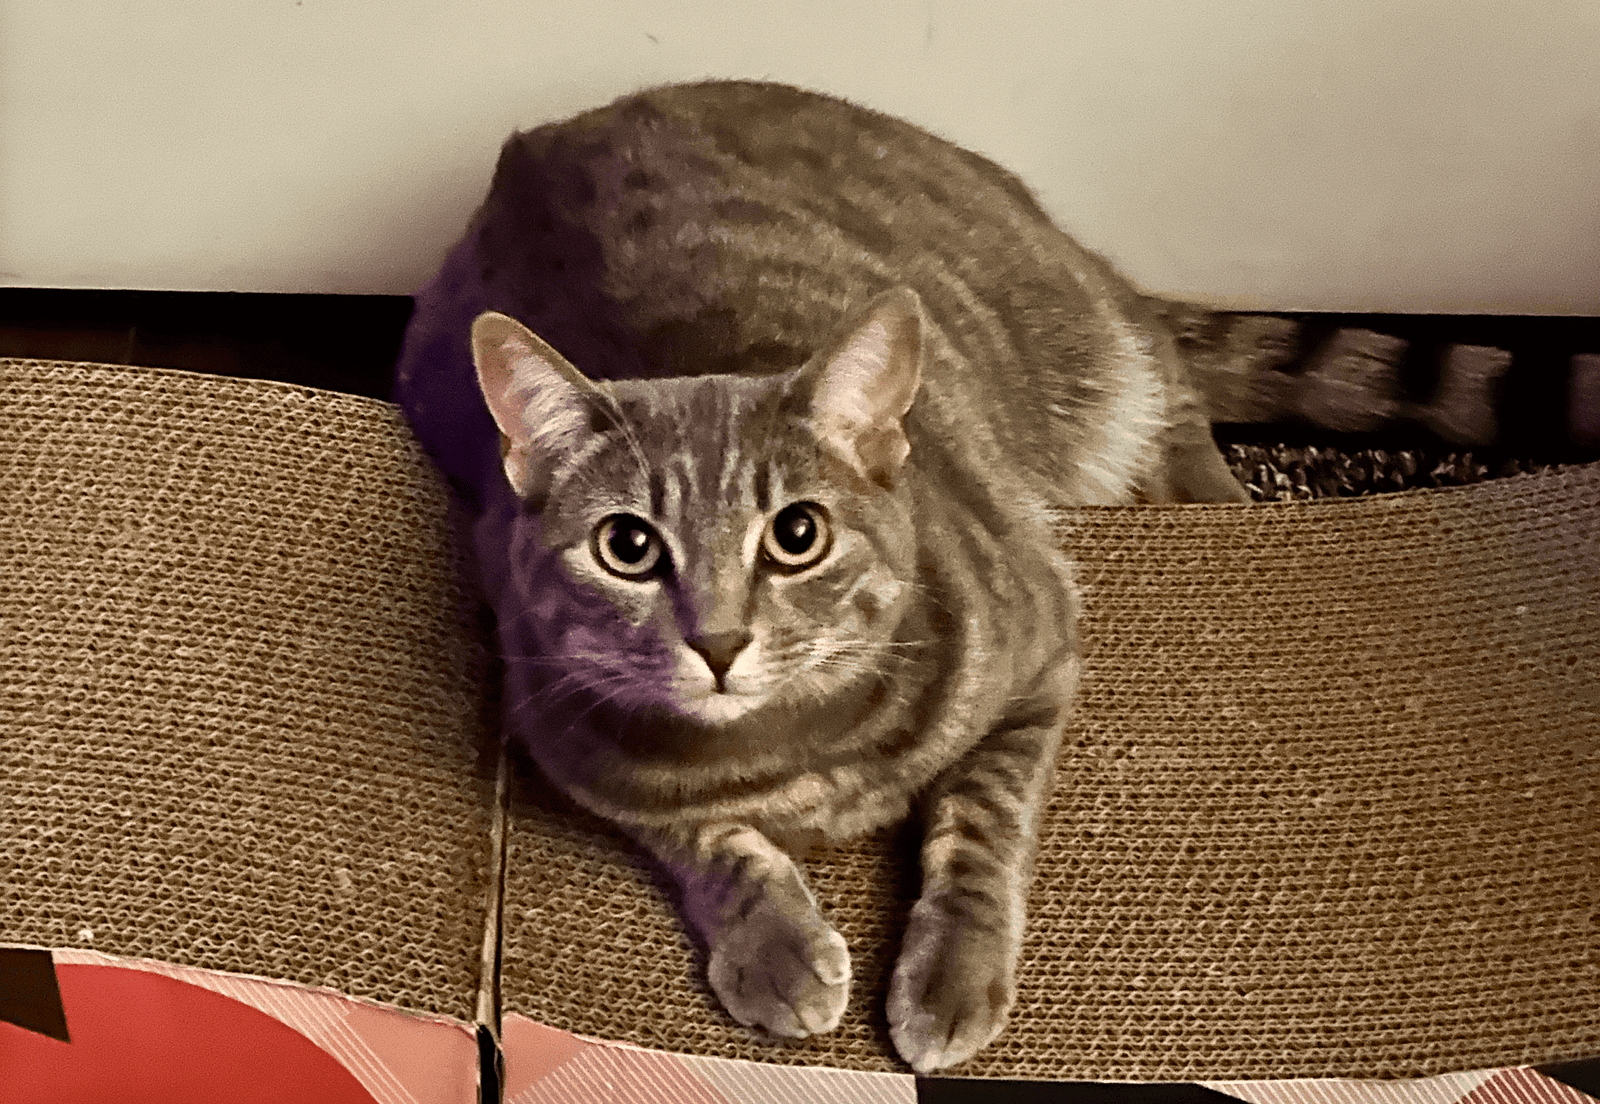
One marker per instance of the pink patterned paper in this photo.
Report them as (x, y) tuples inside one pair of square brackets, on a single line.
[(399, 1057), (547, 1066)]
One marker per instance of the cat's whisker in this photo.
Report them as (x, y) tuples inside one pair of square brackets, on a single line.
[(554, 694), (622, 680), (557, 707), (571, 684)]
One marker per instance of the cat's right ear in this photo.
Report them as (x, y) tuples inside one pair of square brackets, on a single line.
[(541, 403)]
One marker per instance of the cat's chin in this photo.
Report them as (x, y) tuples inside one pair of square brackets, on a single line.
[(717, 709)]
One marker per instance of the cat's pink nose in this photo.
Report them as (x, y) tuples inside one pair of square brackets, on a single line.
[(719, 650)]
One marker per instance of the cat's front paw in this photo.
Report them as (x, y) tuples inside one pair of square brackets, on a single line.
[(786, 975), (953, 987)]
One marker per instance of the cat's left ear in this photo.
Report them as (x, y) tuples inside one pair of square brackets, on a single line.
[(541, 403), (858, 391)]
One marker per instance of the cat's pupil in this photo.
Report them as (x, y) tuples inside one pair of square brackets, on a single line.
[(795, 529), (629, 541)]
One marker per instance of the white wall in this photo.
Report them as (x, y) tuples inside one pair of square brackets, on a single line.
[(1419, 155)]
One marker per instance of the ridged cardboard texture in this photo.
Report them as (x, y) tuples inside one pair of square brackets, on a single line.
[(1327, 807), (240, 710)]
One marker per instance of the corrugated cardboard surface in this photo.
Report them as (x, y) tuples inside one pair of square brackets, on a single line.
[(1328, 809), (240, 714)]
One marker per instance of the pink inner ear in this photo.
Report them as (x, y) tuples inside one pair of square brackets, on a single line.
[(530, 390), (860, 375), (865, 390), (537, 406), (496, 378)]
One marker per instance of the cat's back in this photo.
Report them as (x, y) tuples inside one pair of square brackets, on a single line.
[(764, 158), (752, 205), (727, 227)]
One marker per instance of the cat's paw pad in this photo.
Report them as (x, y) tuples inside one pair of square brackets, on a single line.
[(786, 975), (953, 988)]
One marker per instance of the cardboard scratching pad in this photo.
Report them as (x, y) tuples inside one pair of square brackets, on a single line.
[(239, 720), (1327, 809)]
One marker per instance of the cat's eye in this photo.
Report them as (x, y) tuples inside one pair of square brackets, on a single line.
[(627, 546), (798, 536)]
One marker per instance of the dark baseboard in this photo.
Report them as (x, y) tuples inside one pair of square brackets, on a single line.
[(349, 343), (337, 342)]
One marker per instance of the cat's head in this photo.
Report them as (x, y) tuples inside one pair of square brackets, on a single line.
[(727, 545)]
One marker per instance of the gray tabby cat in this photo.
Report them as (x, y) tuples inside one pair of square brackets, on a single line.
[(786, 396)]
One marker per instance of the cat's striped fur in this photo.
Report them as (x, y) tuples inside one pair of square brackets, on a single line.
[(733, 315)]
